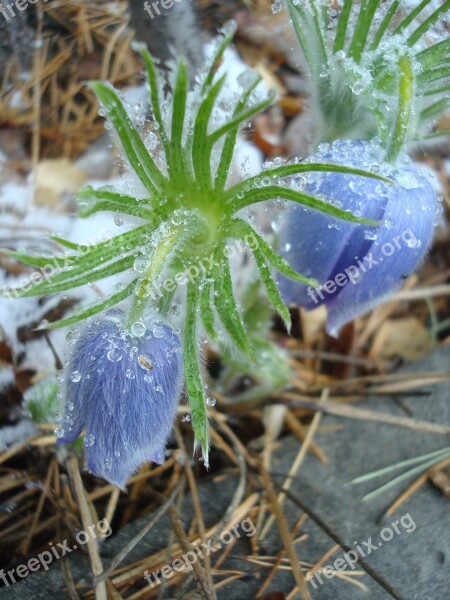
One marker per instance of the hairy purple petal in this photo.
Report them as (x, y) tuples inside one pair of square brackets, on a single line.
[(124, 391), (347, 255)]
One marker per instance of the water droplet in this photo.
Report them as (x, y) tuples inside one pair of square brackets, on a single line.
[(276, 7), (129, 374), (152, 141), (117, 454), (158, 331), (175, 310), (118, 221), (211, 401), (58, 417), (89, 440), (70, 406), (186, 419), (357, 88), (59, 432), (138, 329), (114, 355), (75, 377), (141, 264)]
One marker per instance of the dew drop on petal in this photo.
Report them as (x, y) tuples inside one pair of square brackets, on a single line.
[(75, 377), (89, 440), (158, 331), (138, 329), (114, 355)]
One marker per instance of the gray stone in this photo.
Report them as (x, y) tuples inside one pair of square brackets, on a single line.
[(416, 564)]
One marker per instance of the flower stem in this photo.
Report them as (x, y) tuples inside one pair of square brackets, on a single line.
[(168, 241)]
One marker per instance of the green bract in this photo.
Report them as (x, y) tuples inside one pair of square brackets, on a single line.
[(188, 214), (376, 69)]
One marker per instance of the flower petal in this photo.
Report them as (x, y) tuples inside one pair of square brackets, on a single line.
[(400, 246), (317, 245), (128, 396)]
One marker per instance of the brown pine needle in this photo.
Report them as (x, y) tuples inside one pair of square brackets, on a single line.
[(285, 535)]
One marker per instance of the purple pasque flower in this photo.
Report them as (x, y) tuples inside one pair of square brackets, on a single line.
[(357, 266), (123, 390)]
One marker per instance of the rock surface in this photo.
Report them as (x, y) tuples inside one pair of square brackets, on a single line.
[(416, 561)]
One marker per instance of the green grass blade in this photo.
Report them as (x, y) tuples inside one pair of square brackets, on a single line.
[(361, 30), (299, 19), (179, 112), (230, 141), (341, 30), (154, 99), (272, 290), (192, 372), (434, 110), (411, 16), (92, 200), (206, 310), (26, 259), (425, 26), (433, 75), (415, 471), (384, 25), (296, 169), (399, 465), (91, 311), (201, 155), (62, 282), (406, 85), (238, 119), (227, 308), (133, 146), (241, 229), (218, 55), (64, 243), (434, 55), (272, 192)]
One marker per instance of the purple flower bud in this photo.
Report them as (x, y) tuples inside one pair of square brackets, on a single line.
[(124, 391), (357, 266)]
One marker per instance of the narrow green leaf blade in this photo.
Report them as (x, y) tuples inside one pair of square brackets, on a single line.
[(192, 372), (134, 148), (227, 309), (272, 192), (93, 310)]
